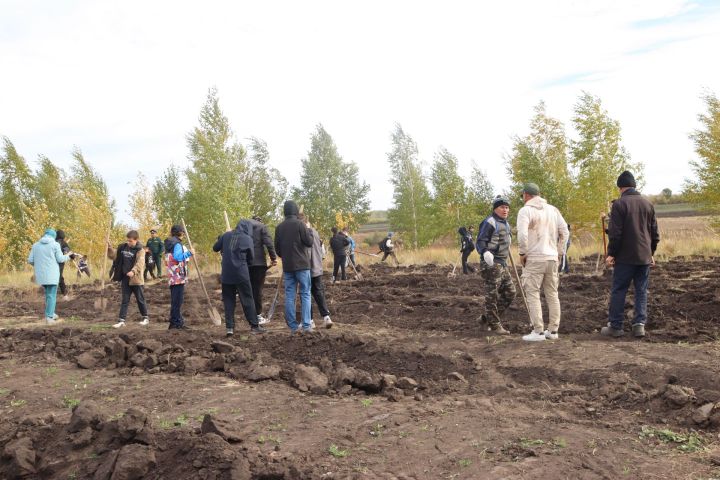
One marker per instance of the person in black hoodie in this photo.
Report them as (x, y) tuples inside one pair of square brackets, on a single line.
[(292, 244), (258, 265), (633, 237), (467, 246), (127, 268), (237, 249), (338, 242), (65, 248)]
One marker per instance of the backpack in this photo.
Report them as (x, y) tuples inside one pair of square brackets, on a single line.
[(383, 244)]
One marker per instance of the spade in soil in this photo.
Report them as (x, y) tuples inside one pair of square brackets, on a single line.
[(212, 311)]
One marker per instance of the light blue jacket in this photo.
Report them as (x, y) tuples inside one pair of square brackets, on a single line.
[(45, 257)]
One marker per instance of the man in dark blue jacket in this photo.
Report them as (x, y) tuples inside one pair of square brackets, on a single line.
[(633, 237), (493, 245), (237, 248)]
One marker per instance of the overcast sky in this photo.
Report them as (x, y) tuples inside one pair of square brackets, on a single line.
[(125, 81)]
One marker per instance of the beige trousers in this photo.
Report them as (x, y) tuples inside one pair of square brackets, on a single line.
[(542, 274)]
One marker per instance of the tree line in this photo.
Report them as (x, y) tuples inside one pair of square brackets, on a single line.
[(576, 171)]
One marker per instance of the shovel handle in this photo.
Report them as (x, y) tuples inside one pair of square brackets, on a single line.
[(197, 265), (105, 259)]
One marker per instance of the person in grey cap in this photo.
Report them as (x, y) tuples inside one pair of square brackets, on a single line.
[(493, 245), (542, 239), (633, 237)]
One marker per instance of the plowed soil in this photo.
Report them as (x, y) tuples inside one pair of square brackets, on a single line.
[(406, 385)]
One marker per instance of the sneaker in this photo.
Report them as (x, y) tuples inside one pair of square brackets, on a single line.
[(229, 332), (119, 324), (257, 330), (611, 332), (262, 320), (145, 321), (55, 316), (50, 321), (638, 330), (551, 335), (534, 337), (328, 322), (499, 329), (310, 329)]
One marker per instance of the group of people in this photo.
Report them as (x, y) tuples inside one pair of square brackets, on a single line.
[(543, 238)]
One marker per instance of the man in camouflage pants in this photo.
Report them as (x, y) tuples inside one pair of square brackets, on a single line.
[(493, 244)]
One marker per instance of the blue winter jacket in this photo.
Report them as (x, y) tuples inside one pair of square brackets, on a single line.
[(45, 257)]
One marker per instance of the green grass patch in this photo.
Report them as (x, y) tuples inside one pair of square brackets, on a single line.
[(688, 443), (69, 402), (336, 452), (17, 403)]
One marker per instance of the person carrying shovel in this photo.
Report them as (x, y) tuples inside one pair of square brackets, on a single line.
[(493, 244), (176, 259)]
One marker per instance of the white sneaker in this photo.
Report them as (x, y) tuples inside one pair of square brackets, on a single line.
[(55, 316), (145, 321), (119, 324), (50, 321), (551, 335), (328, 322), (534, 337), (262, 320), (66, 298)]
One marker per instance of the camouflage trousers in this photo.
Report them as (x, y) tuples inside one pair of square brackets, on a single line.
[(499, 291)]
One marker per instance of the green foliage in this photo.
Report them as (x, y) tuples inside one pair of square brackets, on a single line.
[(597, 158), (69, 402), (688, 443), (449, 199), (168, 196), (410, 214), (330, 189), (480, 195), (336, 452), (704, 190), (267, 185), (142, 209)]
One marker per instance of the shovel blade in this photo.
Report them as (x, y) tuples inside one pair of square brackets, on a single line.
[(100, 303), (215, 317)]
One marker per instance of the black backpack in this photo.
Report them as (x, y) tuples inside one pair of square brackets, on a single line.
[(383, 244)]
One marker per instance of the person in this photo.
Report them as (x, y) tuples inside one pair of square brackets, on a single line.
[(338, 243), (156, 247), (633, 237), (493, 245), (467, 246), (64, 248), (387, 248), (542, 235), (351, 247), (84, 266), (258, 265), (46, 257), (237, 249), (564, 263), (292, 244), (149, 264), (176, 261), (317, 288), (127, 268)]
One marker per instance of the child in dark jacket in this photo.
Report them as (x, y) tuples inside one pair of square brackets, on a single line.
[(149, 264), (467, 246)]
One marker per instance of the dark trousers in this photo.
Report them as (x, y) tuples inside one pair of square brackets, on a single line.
[(257, 280), (61, 284), (339, 263), (157, 258), (317, 289), (467, 268), (177, 295), (126, 289), (229, 295), (390, 253), (149, 268), (623, 274)]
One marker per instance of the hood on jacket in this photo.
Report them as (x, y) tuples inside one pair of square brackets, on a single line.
[(462, 231), (244, 226), (536, 202), (170, 243), (47, 239), (290, 208)]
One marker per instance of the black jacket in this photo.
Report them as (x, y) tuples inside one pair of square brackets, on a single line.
[(125, 258), (261, 240), (237, 253), (467, 244), (293, 240), (633, 231), (338, 242)]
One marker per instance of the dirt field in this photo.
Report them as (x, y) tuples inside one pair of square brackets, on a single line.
[(405, 386)]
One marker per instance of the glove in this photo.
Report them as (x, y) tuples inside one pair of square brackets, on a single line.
[(489, 258)]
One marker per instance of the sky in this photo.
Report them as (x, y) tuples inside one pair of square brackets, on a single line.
[(125, 81)]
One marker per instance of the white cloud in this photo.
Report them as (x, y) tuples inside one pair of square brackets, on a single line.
[(125, 82)]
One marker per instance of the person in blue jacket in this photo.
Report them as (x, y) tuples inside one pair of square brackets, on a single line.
[(237, 250), (46, 257)]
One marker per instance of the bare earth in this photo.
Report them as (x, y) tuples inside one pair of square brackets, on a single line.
[(405, 386)]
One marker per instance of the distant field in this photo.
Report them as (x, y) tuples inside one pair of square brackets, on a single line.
[(678, 210)]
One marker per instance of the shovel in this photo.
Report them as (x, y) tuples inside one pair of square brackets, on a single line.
[(212, 311), (227, 222), (368, 254), (275, 299), (522, 290), (358, 275), (452, 274), (101, 303)]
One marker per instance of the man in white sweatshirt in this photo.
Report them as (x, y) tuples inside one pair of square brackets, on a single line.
[(542, 235)]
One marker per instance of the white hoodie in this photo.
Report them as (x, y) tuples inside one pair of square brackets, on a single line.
[(542, 230)]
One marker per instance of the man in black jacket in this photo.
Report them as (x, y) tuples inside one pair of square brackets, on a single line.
[(292, 244), (258, 266), (633, 238), (65, 248), (338, 242), (237, 253), (127, 268)]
